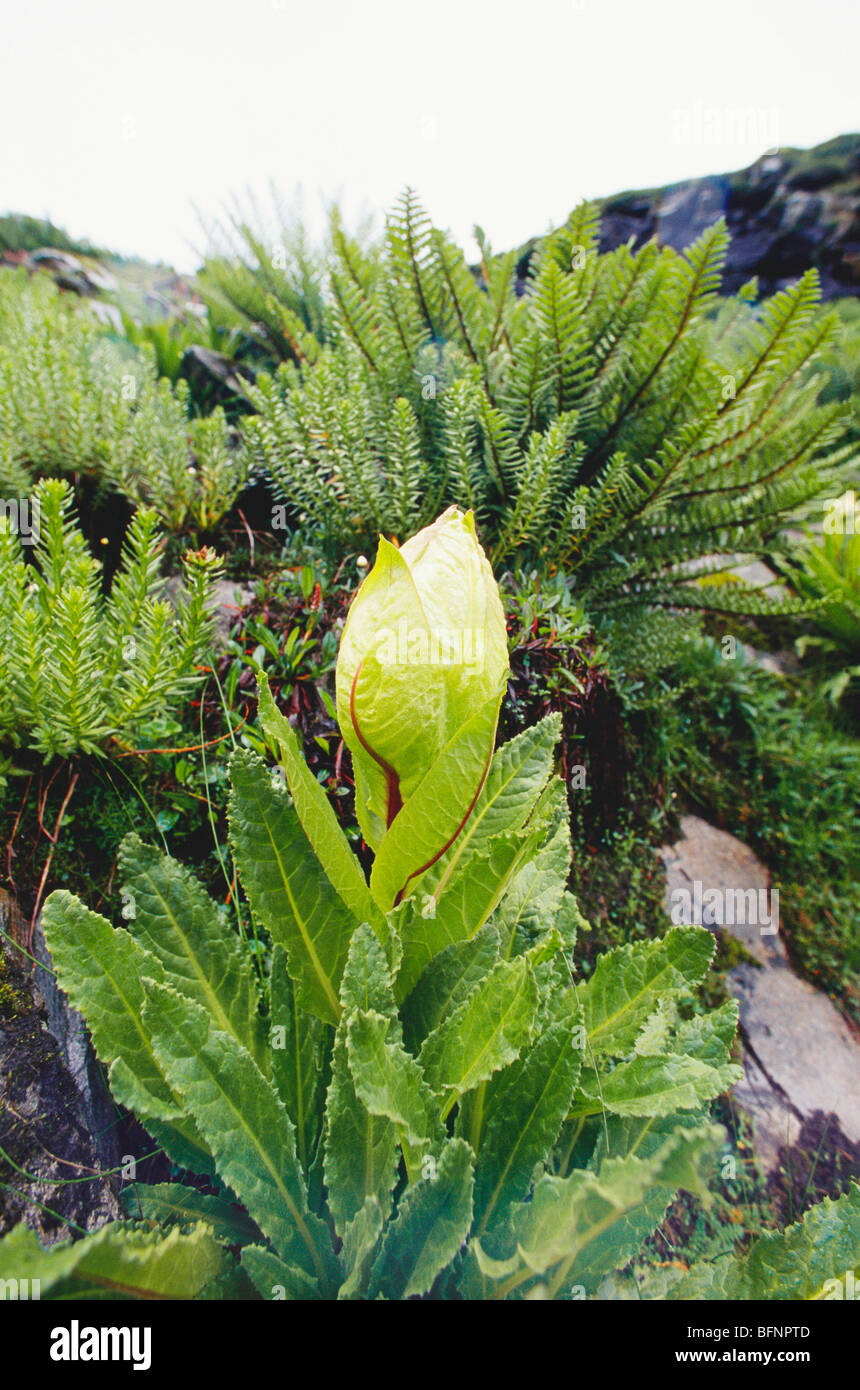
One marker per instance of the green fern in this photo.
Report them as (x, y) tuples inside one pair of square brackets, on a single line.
[(612, 420), (271, 291)]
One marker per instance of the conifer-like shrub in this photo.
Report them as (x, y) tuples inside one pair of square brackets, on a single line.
[(74, 401), (593, 416), (78, 667)]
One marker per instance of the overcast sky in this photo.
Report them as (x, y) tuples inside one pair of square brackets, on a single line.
[(117, 117)]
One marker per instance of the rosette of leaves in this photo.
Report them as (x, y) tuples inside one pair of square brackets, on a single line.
[(418, 1101)]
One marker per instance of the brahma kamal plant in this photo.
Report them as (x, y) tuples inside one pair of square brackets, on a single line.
[(417, 1098)]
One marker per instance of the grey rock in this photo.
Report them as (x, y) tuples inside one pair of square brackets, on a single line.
[(790, 210), (787, 211), (760, 576), (800, 1056), (754, 573), (784, 663), (70, 1033), (213, 376), (229, 599), (87, 278)]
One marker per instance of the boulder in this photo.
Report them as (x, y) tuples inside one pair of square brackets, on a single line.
[(214, 378), (71, 273)]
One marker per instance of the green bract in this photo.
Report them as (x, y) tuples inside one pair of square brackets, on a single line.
[(421, 671)]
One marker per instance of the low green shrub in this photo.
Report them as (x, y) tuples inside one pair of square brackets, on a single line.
[(78, 668), (826, 571), (74, 402), (270, 290)]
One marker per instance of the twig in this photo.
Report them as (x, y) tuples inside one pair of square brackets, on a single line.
[(44, 800), (191, 747), (250, 533), (10, 852), (73, 782)]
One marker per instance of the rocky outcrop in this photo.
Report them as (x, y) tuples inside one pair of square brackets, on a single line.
[(86, 278), (790, 210), (57, 1121)]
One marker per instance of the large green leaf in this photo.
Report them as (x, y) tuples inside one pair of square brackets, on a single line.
[(243, 1121), (708, 1036), (617, 1138), (447, 981), (534, 896), (172, 1204), (361, 1150), (432, 1222), (518, 773), (101, 970), (565, 1216), (120, 1261), (176, 920), (517, 878), (427, 926), (524, 1107), (816, 1258), (366, 983), (298, 1043), (677, 1065), (316, 813), (360, 1240), (286, 886), (391, 1084), (277, 1279), (629, 983), (654, 1084), (486, 1032)]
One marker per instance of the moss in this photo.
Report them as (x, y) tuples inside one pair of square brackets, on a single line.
[(14, 1002)]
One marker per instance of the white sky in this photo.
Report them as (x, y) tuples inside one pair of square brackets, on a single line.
[(115, 116)]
